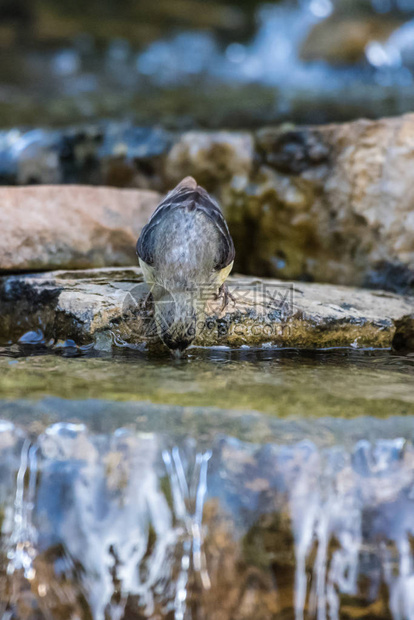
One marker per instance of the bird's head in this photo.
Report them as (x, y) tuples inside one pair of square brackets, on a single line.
[(176, 320)]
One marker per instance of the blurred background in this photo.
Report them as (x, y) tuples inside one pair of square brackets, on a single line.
[(204, 63)]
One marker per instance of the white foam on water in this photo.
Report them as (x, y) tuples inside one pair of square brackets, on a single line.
[(129, 509), (329, 500), (23, 539), (188, 508)]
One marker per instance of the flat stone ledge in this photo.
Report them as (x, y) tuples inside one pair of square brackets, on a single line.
[(103, 307)]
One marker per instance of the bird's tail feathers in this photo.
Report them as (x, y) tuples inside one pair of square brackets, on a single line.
[(187, 183)]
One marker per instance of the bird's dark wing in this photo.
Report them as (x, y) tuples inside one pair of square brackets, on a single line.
[(187, 195)]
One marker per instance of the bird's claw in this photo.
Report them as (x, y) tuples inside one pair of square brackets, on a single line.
[(226, 295)]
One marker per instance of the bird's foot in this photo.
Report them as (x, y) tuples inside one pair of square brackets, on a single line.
[(225, 294)]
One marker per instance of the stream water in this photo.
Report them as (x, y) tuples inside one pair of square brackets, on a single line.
[(229, 484), (206, 63)]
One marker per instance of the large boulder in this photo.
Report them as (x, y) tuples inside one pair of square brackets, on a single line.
[(332, 204), (48, 227)]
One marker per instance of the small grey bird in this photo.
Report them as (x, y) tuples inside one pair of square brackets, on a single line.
[(186, 253)]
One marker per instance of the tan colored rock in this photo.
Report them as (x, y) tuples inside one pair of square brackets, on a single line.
[(104, 306), (342, 39), (331, 204), (212, 158), (47, 227)]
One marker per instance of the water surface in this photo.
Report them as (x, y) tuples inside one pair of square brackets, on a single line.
[(228, 484), (281, 383)]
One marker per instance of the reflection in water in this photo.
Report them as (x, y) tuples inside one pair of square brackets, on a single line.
[(144, 525), (281, 383)]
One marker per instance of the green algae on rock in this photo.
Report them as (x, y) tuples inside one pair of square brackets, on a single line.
[(104, 307)]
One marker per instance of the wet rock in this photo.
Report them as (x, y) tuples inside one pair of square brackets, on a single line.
[(343, 36), (51, 226), (78, 154), (104, 307), (403, 340), (332, 204), (116, 154), (290, 150), (134, 156), (212, 158), (342, 39), (326, 203), (29, 157)]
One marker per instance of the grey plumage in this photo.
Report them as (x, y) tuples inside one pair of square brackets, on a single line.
[(187, 197), (186, 253)]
